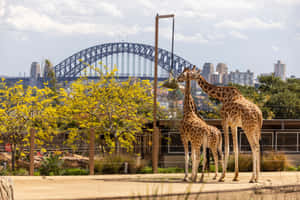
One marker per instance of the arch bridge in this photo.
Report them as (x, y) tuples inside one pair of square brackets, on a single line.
[(131, 59)]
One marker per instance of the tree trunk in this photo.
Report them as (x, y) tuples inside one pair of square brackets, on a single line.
[(31, 152), (13, 157), (117, 145), (6, 189), (92, 151)]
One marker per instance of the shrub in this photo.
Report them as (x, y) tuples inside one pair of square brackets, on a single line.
[(170, 170), (212, 168), (145, 170), (4, 172), (274, 162), (37, 173), (114, 164), (245, 163), (75, 171), (21, 172), (148, 170), (51, 165), (291, 168)]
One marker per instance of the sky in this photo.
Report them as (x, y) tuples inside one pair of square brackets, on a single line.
[(244, 34)]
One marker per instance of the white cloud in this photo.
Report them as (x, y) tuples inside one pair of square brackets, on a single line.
[(2, 7), (76, 8), (220, 4), (196, 38), (25, 19), (275, 48), (146, 3), (195, 14), (238, 35), (288, 2), (250, 23), (215, 36)]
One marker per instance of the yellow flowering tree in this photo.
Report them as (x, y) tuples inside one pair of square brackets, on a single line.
[(116, 110), (23, 109)]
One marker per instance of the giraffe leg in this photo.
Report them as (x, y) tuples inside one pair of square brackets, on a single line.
[(186, 159), (226, 136), (254, 159), (236, 153), (222, 160), (195, 165), (216, 161), (204, 162), (257, 146)]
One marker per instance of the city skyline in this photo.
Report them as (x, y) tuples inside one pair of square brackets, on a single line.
[(242, 34)]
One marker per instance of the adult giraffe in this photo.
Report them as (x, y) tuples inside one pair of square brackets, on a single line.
[(236, 111)]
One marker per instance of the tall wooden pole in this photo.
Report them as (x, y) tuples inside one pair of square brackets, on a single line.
[(31, 152), (155, 137), (92, 151)]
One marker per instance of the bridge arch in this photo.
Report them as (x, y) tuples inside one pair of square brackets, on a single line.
[(71, 66)]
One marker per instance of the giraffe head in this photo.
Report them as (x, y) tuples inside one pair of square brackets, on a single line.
[(189, 74)]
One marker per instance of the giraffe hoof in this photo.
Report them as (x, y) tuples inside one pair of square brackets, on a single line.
[(201, 180), (221, 180), (214, 178), (186, 179), (235, 179), (251, 181)]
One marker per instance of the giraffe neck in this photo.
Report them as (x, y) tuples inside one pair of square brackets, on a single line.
[(189, 105), (217, 92), (194, 107)]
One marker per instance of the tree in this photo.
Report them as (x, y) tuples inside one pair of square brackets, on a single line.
[(49, 75), (12, 123), (24, 109), (117, 110)]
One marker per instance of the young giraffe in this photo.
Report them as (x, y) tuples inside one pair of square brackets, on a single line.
[(236, 112), (195, 130)]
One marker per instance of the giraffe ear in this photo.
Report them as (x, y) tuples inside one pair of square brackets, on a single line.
[(194, 67)]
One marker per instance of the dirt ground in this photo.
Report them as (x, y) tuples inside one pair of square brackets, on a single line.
[(107, 186)]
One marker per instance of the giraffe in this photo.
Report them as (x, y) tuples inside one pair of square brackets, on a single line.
[(236, 112), (195, 130)]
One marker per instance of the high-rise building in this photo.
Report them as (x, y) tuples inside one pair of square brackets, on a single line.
[(208, 70), (35, 70), (279, 70), (242, 78), (222, 68), (35, 73), (216, 78)]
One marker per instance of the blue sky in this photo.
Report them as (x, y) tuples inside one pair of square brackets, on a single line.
[(245, 34)]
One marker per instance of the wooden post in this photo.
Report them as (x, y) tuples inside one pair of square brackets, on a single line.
[(92, 151), (31, 152), (155, 137)]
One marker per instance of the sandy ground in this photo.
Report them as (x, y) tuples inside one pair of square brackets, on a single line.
[(100, 186)]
